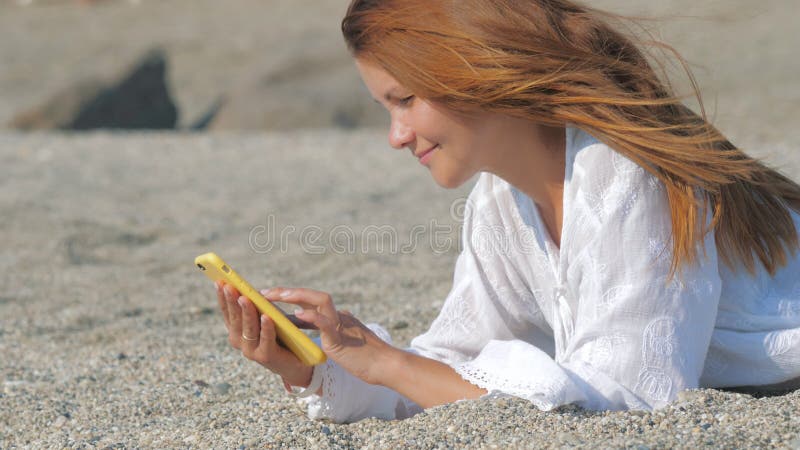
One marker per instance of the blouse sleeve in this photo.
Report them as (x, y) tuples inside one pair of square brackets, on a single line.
[(476, 311), (346, 398), (626, 337)]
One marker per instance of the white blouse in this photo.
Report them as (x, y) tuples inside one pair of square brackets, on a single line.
[(595, 322)]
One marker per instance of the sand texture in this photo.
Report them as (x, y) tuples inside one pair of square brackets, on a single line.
[(108, 335), (109, 338)]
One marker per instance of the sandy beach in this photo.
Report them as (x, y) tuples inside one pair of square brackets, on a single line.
[(109, 338)]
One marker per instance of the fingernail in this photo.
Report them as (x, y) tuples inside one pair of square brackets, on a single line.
[(264, 319), (298, 311), (265, 292), (241, 301), (285, 294)]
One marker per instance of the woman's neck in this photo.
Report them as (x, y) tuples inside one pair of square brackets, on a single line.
[(535, 164)]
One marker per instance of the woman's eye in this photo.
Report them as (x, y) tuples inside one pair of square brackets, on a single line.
[(405, 100)]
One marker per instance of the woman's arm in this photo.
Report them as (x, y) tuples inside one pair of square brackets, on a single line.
[(425, 381), (355, 347)]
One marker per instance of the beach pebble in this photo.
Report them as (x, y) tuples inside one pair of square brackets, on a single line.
[(221, 388), (59, 422)]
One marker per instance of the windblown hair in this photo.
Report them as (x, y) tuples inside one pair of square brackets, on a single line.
[(556, 62)]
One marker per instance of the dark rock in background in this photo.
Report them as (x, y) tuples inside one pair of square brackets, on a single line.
[(252, 65), (137, 99), (60, 109)]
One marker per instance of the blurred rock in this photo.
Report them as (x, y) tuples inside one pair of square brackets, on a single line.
[(61, 109), (138, 98), (201, 123), (310, 92)]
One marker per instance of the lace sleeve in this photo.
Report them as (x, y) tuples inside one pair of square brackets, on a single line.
[(346, 398)]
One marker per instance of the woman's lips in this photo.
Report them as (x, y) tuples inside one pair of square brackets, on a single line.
[(425, 157)]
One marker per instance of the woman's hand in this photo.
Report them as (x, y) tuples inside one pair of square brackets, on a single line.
[(344, 338), (255, 337)]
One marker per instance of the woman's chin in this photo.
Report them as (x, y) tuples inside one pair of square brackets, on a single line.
[(450, 182)]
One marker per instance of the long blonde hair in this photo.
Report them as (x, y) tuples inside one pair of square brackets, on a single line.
[(557, 62)]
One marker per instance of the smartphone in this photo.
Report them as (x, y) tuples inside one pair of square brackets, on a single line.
[(292, 337)]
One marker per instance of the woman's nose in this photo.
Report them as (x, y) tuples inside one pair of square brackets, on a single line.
[(400, 134)]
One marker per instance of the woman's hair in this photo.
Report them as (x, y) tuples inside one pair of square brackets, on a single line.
[(556, 62)]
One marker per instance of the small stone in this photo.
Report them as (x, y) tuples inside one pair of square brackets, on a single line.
[(399, 325), (326, 431), (222, 388), (201, 383), (568, 438), (135, 312), (60, 421)]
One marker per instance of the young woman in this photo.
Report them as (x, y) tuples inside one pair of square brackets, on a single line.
[(617, 248)]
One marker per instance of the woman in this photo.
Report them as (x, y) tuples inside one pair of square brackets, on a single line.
[(617, 248)]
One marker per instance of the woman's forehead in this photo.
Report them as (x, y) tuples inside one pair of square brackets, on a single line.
[(379, 82)]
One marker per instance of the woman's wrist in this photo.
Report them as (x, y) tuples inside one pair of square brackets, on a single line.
[(389, 369), (313, 386), (302, 379)]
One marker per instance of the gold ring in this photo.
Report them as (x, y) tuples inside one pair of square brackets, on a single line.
[(249, 338)]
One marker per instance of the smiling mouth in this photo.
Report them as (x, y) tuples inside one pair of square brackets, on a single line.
[(427, 151)]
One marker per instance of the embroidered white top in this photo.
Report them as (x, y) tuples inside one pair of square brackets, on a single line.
[(593, 322)]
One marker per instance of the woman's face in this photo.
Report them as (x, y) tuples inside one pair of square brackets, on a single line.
[(459, 145)]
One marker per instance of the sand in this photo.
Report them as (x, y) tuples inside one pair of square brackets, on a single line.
[(110, 339)]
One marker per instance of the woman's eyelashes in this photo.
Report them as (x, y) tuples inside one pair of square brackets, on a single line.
[(405, 100)]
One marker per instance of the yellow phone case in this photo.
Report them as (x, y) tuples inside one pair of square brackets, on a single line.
[(301, 345)]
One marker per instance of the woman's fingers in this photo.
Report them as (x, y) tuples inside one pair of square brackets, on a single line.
[(251, 329), (255, 336), (259, 338), (268, 335), (234, 316), (317, 307), (267, 348), (278, 359), (302, 324), (307, 298), (322, 322), (223, 305), (271, 355)]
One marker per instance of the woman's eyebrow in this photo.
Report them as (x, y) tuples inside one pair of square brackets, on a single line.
[(388, 97), (390, 94)]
